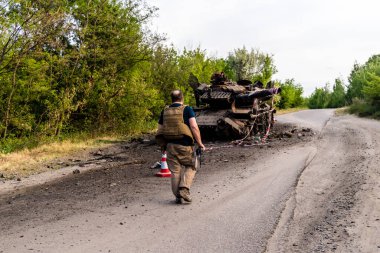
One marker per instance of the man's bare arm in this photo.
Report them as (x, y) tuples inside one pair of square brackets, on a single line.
[(196, 133)]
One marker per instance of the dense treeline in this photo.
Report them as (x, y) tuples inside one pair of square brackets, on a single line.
[(362, 93), (67, 65), (325, 98), (95, 67)]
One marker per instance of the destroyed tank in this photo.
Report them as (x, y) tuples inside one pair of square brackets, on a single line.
[(234, 110)]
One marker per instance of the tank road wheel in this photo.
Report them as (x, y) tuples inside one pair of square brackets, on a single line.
[(223, 130)]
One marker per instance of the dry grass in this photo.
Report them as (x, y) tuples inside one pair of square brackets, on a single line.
[(27, 162), (341, 111), (290, 110)]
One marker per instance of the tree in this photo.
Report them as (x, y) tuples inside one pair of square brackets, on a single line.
[(338, 95), (291, 95), (26, 27), (111, 43), (358, 77), (196, 63), (162, 72), (319, 98), (65, 65), (173, 70), (253, 65), (364, 88), (371, 88)]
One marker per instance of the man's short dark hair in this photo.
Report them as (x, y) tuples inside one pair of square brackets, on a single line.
[(176, 96)]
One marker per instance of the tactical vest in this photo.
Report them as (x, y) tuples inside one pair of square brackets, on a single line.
[(173, 127)]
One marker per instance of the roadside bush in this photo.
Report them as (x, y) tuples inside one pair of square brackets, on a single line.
[(363, 109), (9, 145)]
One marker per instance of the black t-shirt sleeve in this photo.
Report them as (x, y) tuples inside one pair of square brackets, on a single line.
[(191, 112), (188, 113)]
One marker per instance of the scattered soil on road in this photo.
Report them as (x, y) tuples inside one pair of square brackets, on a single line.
[(122, 176)]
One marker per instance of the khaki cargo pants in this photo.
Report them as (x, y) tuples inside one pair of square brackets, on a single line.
[(181, 163)]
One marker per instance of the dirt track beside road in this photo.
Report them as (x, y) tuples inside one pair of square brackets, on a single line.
[(336, 204)]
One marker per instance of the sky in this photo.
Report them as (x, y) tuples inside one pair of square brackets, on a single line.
[(312, 41)]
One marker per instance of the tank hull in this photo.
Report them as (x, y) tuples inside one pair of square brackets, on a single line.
[(226, 124)]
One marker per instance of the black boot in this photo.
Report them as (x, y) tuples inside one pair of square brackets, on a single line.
[(185, 194)]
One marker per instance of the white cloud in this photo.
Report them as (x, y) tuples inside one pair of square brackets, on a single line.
[(312, 41)]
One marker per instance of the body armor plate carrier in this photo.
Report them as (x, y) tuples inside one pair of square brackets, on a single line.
[(174, 127)]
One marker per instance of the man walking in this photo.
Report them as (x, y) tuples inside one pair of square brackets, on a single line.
[(177, 130)]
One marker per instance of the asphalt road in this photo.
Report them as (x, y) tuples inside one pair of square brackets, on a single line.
[(316, 119), (250, 205)]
